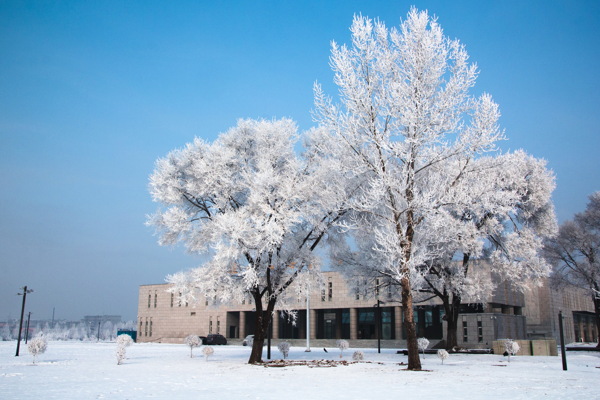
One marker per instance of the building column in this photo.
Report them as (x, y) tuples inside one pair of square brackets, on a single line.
[(398, 322), (313, 323), (353, 323), (242, 327)]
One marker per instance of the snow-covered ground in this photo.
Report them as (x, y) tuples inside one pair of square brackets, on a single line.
[(80, 370)]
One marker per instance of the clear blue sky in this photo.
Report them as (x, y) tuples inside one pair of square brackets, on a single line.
[(93, 92)]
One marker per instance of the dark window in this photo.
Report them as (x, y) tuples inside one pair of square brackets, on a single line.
[(172, 297), (465, 331), (479, 330), (149, 300), (330, 295), (155, 299)]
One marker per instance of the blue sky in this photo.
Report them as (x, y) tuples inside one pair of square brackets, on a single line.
[(92, 93)]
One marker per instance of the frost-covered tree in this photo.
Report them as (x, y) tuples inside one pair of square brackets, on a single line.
[(255, 208), (496, 238), (284, 348), (37, 346), (343, 345), (207, 351), (442, 354), (575, 254), (192, 341), (409, 136), (423, 343)]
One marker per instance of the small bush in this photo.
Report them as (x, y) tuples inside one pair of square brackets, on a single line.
[(511, 348), (422, 343), (442, 354), (284, 348), (342, 345), (207, 351), (36, 346), (124, 340), (192, 341), (358, 355)]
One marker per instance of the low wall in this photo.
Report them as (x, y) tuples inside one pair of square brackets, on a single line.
[(545, 347)]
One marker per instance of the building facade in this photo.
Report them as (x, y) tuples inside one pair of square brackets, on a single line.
[(336, 311)]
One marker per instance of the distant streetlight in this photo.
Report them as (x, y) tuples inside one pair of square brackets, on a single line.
[(24, 294), (378, 323), (307, 318)]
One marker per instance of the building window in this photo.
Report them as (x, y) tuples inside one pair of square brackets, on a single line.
[(141, 326), (465, 331), (155, 299), (150, 328), (377, 287), (172, 298), (149, 299), (330, 294), (479, 329), (322, 294), (179, 300), (146, 328), (218, 325), (210, 325), (193, 313)]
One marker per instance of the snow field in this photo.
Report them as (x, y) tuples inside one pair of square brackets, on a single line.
[(84, 370)]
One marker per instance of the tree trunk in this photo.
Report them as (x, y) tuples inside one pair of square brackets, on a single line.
[(414, 362), (261, 328), (451, 308), (597, 309)]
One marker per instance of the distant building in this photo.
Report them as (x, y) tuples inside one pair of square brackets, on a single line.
[(339, 311)]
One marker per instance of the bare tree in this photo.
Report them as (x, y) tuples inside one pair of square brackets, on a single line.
[(575, 254)]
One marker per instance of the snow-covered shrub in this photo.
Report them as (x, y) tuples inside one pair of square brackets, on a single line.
[(284, 348), (422, 343), (358, 355), (511, 348), (208, 351), (124, 340), (192, 341), (342, 345), (120, 353), (37, 346), (442, 354)]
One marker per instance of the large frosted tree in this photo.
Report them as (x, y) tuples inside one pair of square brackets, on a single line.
[(408, 133), (254, 207), (497, 238), (575, 254)]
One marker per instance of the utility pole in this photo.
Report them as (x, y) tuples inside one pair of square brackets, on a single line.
[(27, 329), (24, 294)]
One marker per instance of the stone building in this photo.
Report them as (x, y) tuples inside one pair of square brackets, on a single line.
[(336, 311)]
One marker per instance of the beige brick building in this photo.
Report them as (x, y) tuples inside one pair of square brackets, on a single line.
[(339, 311)]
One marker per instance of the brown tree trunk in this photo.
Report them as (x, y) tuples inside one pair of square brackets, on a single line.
[(451, 308), (414, 362), (261, 327)]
